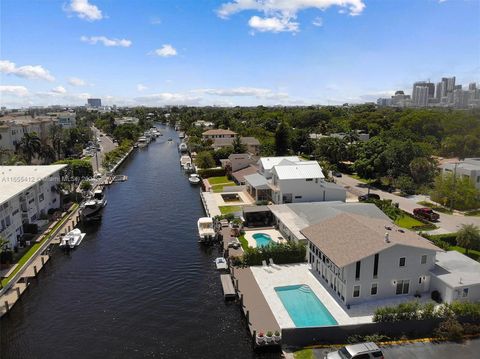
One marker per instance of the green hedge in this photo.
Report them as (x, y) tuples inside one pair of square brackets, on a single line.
[(211, 172), (450, 238), (281, 253), (416, 311)]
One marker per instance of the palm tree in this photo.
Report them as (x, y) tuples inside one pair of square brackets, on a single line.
[(56, 135), (30, 146), (47, 153), (468, 236)]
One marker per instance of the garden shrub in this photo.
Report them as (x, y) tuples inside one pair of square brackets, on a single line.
[(450, 329), (281, 253), (211, 172)]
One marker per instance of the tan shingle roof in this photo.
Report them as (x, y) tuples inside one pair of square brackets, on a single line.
[(218, 131), (347, 238)]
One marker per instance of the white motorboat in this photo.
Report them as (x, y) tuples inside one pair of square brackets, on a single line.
[(91, 209), (221, 263), (189, 167), (194, 179), (184, 160), (142, 141), (72, 239), (183, 147), (205, 229)]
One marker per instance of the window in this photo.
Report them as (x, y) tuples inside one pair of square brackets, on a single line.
[(298, 197), (357, 271), (356, 291), (465, 292), (424, 259), (309, 179), (374, 289), (402, 262), (41, 197), (402, 287), (375, 266)]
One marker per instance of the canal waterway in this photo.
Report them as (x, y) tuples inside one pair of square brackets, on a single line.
[(139, 286)]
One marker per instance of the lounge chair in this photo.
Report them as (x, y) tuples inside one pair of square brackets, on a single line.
[(264, 263), (271, 262)]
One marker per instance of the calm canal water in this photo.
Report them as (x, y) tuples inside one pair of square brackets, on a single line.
[(139, 285)]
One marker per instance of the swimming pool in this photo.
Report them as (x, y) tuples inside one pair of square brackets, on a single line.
[(262, 239), (304, 307)]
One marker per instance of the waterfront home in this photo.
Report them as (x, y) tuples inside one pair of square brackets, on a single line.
[(251, 144), (218, 133), (290, 180), (27, 194), (468, 168), (360, 258)]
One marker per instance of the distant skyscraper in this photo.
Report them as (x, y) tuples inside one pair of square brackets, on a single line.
[(472, 86), (94, 102), (449, 84), (439, 93), (421, 92)]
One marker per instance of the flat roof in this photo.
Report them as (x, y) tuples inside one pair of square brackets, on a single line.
[(257, 181), (286, 170), (255, 209), (456, 269), (16, 179), (365, 234)]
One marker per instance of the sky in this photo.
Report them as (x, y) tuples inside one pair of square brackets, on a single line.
[(231, 52)]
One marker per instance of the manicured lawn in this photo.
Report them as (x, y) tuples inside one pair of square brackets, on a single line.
[(304, 354), (358, 178), (217, 180), (219, 187), (33, 249), (407, 222), (471, 253), (229, 209), (243, 241)]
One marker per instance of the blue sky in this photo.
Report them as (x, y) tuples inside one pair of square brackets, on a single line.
[(231, 52)]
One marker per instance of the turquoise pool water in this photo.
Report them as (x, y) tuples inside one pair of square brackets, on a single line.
[(304, 307), (262, 239)]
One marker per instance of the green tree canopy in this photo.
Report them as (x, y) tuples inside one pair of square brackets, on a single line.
[(205, 160), (468, 237)]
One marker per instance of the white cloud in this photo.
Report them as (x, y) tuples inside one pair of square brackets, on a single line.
[(169, 98), (261, 93), (272, 24), (75, 81), (280, 14), (84, 10), (36, 72), (155, 21), (318, 21), (20, 91), (59, 89), (166, 50), (92, 40), (141, 87)]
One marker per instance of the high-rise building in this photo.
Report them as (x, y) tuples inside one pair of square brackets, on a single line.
[(439, 93), (94, 102), (472, 86), (421, 93)]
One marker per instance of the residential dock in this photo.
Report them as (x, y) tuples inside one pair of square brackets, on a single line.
[(227, 285)]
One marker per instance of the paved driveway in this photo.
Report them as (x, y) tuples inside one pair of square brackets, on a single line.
[(448, 223), (448, 350)]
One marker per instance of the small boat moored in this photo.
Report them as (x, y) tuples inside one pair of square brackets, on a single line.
[(205, 229), (221, 263), (72, 239), (194, 179)]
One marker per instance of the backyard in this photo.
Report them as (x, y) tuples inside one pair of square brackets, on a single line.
[(229, 209), (218, 183)]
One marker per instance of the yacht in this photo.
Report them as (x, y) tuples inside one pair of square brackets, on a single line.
[(142, 141), (91, 209), (72, 239), (205, 229), (184, 160), (194, 179), (183, 147)]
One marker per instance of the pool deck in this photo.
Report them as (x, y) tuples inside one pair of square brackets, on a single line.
[(273, 233), (293, 274), (260, 316)]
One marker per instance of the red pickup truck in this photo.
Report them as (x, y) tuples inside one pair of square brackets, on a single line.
[(426, 213)]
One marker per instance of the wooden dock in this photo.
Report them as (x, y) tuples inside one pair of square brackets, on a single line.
[(228, 288)]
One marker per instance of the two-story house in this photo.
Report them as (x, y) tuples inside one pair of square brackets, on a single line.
[(359, 258), (218, 133)]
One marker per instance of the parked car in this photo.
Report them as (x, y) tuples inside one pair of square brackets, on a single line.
[(426, 213), (336, 174), (357, 351), (366, 197)]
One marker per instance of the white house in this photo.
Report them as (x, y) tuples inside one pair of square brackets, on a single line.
[(468, 168), (27, 193), (14, 127), (360, 258), (290, 180), (218, 133)]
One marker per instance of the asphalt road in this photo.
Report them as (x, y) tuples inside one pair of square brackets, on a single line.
[(106, 145), (445, 350), (448, 223)]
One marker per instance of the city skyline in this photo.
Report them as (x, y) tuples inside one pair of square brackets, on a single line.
[(231, 53)]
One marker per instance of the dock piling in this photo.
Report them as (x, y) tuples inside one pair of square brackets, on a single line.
[(35, 270), (18, 292), (7, 307)]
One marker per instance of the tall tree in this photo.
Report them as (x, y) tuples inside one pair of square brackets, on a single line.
[(468, 237), (30, 146), (56, 136), (238, 146), (205, 160), (282, 139), (47, 153)]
